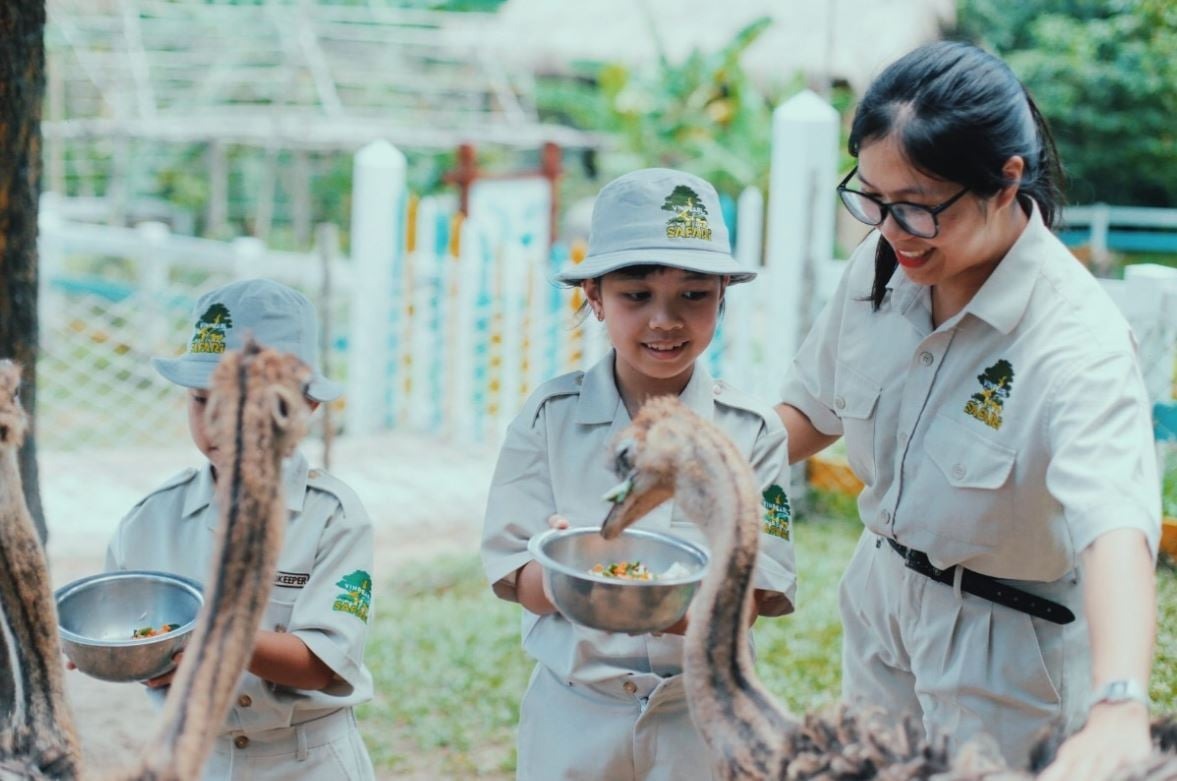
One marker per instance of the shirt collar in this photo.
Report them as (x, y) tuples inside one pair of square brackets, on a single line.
[(600, 401), (294, 486), (1002, 299)]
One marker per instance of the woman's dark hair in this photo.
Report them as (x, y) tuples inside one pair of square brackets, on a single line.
[(959, 113)]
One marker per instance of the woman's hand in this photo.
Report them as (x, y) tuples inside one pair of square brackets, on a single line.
[(1116, 735)]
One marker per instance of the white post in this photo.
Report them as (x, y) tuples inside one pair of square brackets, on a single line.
[(800, 216), (377, 244), (465, 301), (740, 309), (426, 344), (1100, 223), (154, 272), (1152, 290)]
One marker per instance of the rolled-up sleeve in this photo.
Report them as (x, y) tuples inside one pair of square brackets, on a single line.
[(1103, 466), (333, 610), (776, 570), (519, 503)]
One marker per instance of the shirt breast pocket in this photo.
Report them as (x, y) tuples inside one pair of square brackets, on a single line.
[(978, 505), (856, 399)]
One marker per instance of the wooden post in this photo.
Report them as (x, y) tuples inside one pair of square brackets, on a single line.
[(263, 218), (551, 166), (300, 196), (377, 249), (464, 175), (217, 214)]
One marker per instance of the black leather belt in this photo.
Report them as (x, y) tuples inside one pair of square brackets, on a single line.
[(985, 587)]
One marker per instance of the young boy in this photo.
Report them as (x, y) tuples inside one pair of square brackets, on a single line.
[(293, 715), (601, 704)]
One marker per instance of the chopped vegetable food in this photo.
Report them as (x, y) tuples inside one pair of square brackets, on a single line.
[(623, 570), (150, 631)]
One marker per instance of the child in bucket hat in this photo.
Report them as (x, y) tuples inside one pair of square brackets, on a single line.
[(603, 704), (293, 715), (275, 315)]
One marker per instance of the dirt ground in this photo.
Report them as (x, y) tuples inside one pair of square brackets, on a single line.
[(425, 498)]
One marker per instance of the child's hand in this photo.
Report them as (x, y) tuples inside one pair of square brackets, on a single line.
[(165, 679), (677, 628)]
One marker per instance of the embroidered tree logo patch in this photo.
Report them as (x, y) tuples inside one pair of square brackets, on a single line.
[(690, 215), (356, 596), (777, 512), (210, 330), (996, 382)]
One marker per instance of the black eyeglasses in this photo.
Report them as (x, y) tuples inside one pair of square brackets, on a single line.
[(915, 218)]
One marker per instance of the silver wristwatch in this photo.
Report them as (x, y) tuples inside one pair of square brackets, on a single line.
[(1121, 690)]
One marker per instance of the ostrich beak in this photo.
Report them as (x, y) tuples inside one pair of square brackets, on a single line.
[(630, 504)]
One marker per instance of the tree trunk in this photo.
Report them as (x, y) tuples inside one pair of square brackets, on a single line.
[(22, 87)]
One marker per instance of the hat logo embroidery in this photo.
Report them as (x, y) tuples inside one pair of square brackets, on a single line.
[(996, 382), (356, 596), (690, 215), (210, 330)]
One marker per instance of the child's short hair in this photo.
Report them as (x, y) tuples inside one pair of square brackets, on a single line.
[(657, 216), (273, 314)]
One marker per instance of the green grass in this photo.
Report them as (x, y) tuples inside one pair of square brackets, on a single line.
[(1169, 482), (450, 672)]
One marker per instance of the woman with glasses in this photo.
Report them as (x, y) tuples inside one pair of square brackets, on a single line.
[(990, 400)]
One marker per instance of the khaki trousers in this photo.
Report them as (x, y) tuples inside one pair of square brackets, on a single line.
[(590, 733), (962, 664), (325, 749)]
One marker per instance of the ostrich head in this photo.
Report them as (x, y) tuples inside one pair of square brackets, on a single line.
[(647, 458), (13, 422), (270, 378)]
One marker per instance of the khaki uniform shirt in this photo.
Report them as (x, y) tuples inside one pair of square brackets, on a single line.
[(322, 591), (1009, 438), (554, 459)]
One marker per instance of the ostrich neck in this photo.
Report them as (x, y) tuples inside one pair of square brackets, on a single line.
[(253, 517), (40, 727), (738, 718)]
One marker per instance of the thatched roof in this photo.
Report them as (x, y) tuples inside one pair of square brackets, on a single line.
[(846, 40)]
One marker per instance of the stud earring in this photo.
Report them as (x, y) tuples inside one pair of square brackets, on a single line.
[(600, 315)]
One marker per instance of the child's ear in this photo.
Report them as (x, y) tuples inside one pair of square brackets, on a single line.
[(592, 292)]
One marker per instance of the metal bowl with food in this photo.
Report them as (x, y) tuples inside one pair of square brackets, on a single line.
[(643, 580), (127, 626)]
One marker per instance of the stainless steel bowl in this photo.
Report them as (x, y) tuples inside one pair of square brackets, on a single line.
[(97, 616), (633, 606)]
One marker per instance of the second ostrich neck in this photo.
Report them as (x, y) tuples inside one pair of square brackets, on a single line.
[(50, 737)]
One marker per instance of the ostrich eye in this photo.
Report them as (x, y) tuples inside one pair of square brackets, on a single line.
[(623, 457)]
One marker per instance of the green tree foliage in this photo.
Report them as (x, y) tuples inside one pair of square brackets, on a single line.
[(1104, 73), (219, 314), (703, 115), (684, 198)]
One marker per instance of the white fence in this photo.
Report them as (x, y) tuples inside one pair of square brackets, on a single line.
[(442, 325), (111, 298)]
